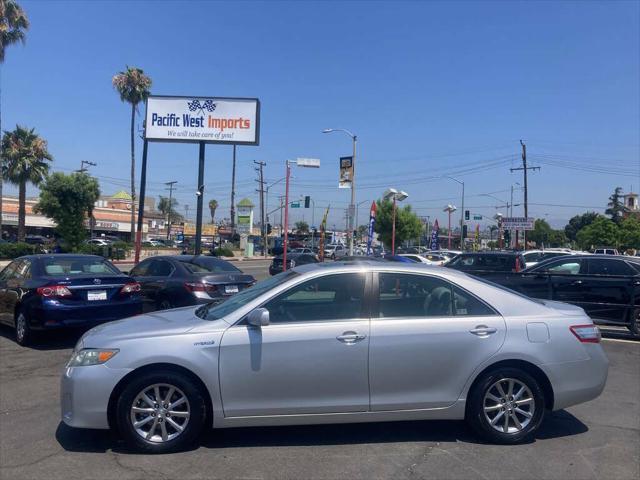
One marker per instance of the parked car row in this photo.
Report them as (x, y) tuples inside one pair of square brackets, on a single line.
[(46, 292)]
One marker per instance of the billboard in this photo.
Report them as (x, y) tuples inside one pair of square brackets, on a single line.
[(203, 119), (518, 223)]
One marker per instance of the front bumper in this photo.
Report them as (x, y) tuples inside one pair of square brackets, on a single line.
[(84, 395), (578, 382)]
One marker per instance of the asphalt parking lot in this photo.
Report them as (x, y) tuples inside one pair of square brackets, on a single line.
[(599, 439)]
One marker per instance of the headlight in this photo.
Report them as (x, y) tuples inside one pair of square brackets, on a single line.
[(90, 356)]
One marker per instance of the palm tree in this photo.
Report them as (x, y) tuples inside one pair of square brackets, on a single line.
[(213, 205), (13, 23), (25, 159), (133, 86)]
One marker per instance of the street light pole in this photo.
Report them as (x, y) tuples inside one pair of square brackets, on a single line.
[(352, 206), (461, 212), (393, 228), (286, 219)]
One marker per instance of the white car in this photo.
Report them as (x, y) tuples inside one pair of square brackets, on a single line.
[(426, 258), (335, 250), (99, 242), (606, 251)]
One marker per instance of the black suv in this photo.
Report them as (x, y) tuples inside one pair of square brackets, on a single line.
[(488, 264)]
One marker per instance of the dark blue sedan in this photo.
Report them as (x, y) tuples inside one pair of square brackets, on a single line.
[(41, 292)]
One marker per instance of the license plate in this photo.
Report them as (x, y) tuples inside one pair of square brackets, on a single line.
[(97, 295), (231, 289)]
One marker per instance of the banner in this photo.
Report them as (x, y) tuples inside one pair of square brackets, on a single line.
[(203, 119), (346, 172), (372, 222), (435, 240)]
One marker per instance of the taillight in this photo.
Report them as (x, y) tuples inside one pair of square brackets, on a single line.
[(131, 287), (586, 333), (200, 287), (54, 291)]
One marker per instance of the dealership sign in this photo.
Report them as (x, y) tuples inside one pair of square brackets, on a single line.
[(203, 119), (518, 223)]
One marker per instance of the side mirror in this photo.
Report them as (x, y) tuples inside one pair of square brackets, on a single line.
[(258, 317)]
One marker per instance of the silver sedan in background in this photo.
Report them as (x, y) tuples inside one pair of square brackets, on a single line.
[(337, 343)]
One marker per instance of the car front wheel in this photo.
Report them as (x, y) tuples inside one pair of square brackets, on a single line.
[(161, 412), (506, 406)]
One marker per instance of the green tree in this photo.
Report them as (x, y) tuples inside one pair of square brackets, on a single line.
[(601, 231), (25, 159), (630, 233), (408, 225), (615, 206), (578, 222), (302, 227), (133, 86), (13, 24), (168, 209), (213, 206), (544, 235), (68, 200), (362, 232)]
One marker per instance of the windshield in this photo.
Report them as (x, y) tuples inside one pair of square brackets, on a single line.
[(74, 266), (215, 311)]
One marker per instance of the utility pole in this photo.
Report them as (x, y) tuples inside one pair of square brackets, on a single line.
[(524, 168), (83, 163), (263, 226), (233, 194), (170, 184)]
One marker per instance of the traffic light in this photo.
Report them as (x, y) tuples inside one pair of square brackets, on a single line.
[(307, 201), (507, 237), (466, 214), (268, 229), (464, 230)]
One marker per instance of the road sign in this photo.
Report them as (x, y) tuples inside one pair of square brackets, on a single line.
[(477, 217), (518, 223), (295, 204)]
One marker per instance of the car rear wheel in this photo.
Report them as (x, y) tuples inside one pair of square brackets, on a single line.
[(506, 406), (161, 412), (24, 334), (165, 304)]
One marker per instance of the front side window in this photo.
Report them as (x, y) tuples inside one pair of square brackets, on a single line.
[(331, 297), (419, 296)]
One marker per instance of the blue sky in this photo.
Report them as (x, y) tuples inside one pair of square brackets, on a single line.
[(430, 88)]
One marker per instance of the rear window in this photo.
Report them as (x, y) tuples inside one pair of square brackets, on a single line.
[(76, 266), (209, 266)]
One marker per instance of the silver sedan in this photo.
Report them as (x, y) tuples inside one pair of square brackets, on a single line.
[(337, 343)]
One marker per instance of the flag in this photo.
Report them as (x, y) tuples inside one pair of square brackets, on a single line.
[(372, 221), (435, 241), (323, 228)]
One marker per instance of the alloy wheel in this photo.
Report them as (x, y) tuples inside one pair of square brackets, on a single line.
[(21, 327), (508, 405), (160, 413)]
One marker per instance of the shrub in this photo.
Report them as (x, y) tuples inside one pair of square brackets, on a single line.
[(14, 250), (223, 252)]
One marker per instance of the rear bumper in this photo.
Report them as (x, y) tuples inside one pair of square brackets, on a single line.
[(578, 382), (84, 395), (45, 317)]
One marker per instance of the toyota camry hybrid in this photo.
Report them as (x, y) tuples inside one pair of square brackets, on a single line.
[(337, 343)]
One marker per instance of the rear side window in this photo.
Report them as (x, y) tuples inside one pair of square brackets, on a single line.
[(602, 266), (562, 267), (420, 296), (160, 268)]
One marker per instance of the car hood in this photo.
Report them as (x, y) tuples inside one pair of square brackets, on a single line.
[(564, 308), (156, 324)]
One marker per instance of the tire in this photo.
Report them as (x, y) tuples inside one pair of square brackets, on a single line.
[(486, 394), (634, 324), (164, 304), (24, 334), (158, 432)]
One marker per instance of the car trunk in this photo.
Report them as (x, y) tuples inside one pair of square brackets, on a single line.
[(226, 283), (91, 289)]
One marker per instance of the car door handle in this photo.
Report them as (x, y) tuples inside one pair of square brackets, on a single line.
[(483, 330), (637, 283), (577, 282), (350, 337)]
